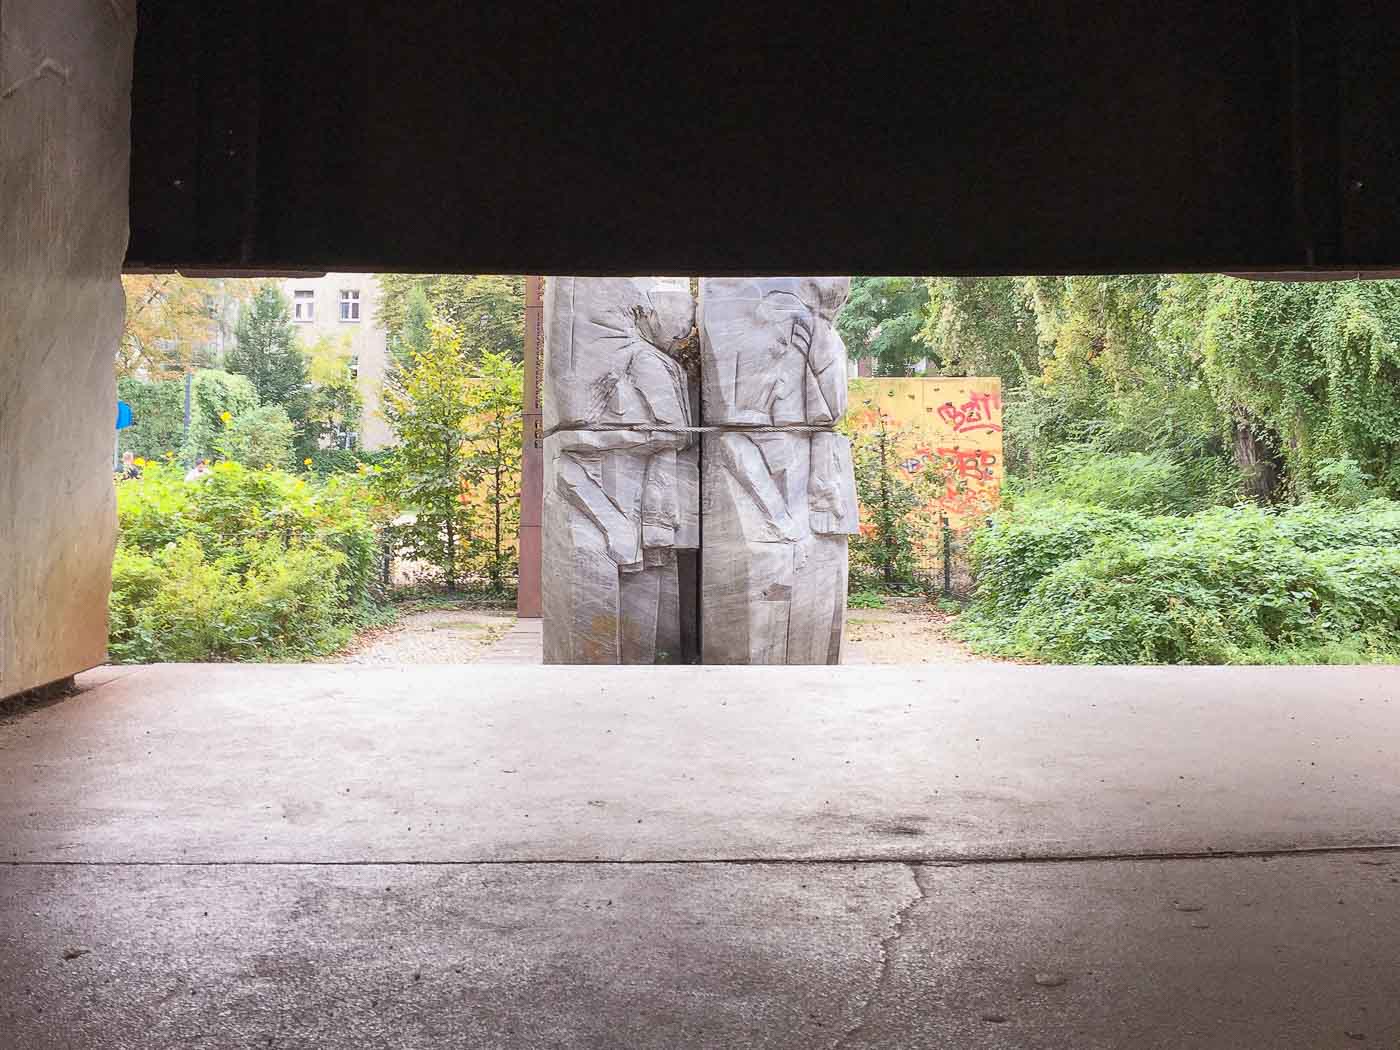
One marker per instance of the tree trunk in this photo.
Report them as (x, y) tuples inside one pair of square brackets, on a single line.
[(496, 500), (450, 517), (451, 551), (1259, 465), (886, 524)]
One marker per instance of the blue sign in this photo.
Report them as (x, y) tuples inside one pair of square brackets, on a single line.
[(124, 417)]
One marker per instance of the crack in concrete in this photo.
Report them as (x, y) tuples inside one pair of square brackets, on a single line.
[(932, 861), (887, 942)]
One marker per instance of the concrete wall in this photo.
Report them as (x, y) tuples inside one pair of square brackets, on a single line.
[(65, 79), (367, 338)]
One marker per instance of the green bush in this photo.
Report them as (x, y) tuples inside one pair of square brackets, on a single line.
[(214, 393), (1071, 584), (1147, 482), (260, 438), (239, 565), (1317, 526), (158, 413), (325, 461), (158, 416), (865, 600), (1020, 546)]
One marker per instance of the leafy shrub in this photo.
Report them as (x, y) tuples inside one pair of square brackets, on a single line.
[(212, 394), (239, 565), (1343, 482), (260, 438), (1148, 482), (1366, 584), (326, 461), (1231, 585), (158, 416), (1018, 548), (1200, 596), (1318, 526), (158, 410)]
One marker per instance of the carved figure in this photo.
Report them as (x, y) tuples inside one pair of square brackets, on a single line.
[(622, 501), (620, 498), (778, 489)]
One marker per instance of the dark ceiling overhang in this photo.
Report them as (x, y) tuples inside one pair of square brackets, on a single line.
[(975, 138)]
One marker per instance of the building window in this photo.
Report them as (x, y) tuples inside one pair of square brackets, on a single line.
[(349, 304), (354, 366), (303, 306), (346, 439)]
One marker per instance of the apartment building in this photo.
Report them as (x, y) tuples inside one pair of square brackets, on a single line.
[(344, 307)]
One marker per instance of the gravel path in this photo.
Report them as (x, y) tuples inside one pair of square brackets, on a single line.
[(906, 631), (440, 636)]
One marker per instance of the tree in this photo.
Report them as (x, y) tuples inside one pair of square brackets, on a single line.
[(882, 318), (214, 395), (1307, 374), (485, 311), (266, 351), (496, 442), (884, 553), (413, 334), (335, 403), (431, 470), (1288, 381), (981, 326), (170, 322)]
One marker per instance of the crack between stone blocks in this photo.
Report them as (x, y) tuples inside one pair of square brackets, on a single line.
[(886, 957)]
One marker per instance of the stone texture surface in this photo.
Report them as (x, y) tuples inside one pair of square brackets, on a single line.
[(777, 505), (624, 496), (65, 80), (619, 499)]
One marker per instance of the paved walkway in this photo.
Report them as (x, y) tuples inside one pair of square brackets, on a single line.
[(523, 643), (435, 636), (875, 636), (962, 856)]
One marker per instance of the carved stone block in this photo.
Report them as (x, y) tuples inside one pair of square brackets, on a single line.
[(620, 498), (623, 513), (778, 490)]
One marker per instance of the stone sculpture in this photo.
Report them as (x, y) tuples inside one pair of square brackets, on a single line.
[(778, 489), (620, 488), (623, 499)]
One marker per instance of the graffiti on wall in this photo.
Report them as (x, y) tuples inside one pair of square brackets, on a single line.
[(948, 425)]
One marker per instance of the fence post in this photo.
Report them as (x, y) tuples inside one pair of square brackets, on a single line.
[(947, 557)]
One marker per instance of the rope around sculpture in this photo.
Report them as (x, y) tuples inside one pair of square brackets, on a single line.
[(728, 428)]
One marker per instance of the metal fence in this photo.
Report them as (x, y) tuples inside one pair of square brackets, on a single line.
[(927, 557)]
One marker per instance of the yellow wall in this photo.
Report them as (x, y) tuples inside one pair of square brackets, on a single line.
[(948, 424)]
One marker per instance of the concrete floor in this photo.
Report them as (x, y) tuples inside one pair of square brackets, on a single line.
[(976, 856)]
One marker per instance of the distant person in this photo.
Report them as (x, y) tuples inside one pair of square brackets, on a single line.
[(199, 470), (130, 471)]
